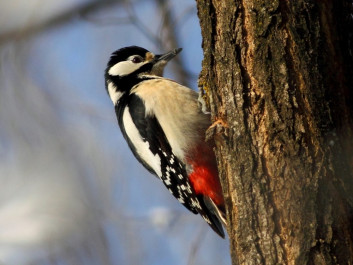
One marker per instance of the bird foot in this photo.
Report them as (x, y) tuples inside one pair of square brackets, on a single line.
[(218, 127)]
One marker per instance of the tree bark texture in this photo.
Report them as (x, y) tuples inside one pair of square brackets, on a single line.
[(278, 77)]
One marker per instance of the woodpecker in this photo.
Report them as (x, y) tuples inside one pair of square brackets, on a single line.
[(164, 127)]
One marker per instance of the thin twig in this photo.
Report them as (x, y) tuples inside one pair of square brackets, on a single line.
[(172, 39), (195, 246), (62, 18)]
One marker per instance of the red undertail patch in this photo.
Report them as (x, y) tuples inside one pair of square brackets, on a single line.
[(204, 177)]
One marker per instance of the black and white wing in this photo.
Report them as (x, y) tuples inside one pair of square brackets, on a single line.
[(147, 141)]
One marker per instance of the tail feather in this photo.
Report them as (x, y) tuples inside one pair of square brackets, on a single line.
[(215, 217), (220, 213)]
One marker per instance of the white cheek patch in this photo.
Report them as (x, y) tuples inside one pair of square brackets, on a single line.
[(124, 68), (142, 147), (114, 94)]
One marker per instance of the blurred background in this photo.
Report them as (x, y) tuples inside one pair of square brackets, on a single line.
[(71, 191)]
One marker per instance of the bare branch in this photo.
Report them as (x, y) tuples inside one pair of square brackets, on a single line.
[(171, 40), (62, 18)]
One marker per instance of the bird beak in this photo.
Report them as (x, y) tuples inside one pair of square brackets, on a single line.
[(167, 56), (160, 61)]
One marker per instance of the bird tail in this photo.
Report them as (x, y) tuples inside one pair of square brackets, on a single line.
[(217, 216)]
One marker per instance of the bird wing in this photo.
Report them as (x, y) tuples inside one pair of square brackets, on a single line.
[(151, 148)]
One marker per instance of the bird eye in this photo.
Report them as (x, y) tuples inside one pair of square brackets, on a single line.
[(137, 59)]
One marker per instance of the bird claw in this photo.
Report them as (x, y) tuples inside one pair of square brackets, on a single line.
[(218, 127)]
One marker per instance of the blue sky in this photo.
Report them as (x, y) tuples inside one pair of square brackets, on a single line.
[(73, 193)]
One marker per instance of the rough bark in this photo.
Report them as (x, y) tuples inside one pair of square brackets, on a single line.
[(278, 77)]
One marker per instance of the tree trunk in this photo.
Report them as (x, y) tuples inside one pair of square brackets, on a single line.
[(278, 77)]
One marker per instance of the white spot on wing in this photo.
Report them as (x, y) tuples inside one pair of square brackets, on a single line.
[(113, 93), (180, 195), (167, 179), (195, 203), (142, 147), (181, 200), (206, 219), (188, 188)]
